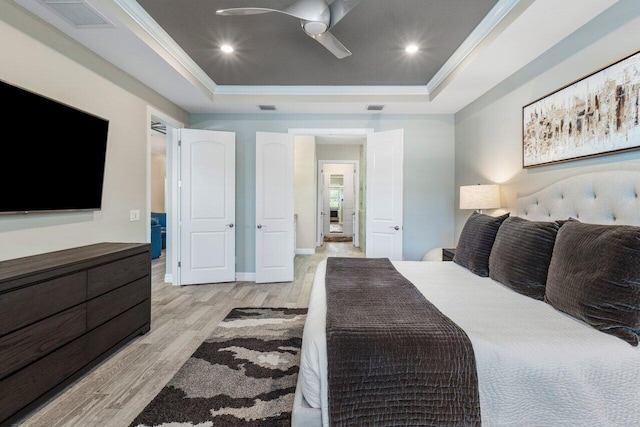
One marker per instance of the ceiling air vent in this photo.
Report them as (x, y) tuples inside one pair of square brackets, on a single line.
[(375, 107), (78, 13), (267, 107)]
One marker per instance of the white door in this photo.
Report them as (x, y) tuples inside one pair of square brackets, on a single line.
[(384, 194), (326, 204), (321, 208), (356, 204), (348, 202), (207, 206), (274, 207)]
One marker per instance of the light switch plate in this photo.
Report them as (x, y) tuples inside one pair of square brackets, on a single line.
[(134, 215)]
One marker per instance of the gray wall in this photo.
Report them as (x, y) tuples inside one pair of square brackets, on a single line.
[(489, 131), (428, 172)]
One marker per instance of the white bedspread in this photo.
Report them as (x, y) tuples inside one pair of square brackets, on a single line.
[(536, 366)]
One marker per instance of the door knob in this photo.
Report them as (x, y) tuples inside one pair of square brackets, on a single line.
[(230, 225), (395, 228), (259, 226)]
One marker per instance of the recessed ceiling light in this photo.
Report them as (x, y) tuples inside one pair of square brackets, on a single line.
[(226, 48), (412, 48)]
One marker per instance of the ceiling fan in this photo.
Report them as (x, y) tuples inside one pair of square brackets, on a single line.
[(317, 17)]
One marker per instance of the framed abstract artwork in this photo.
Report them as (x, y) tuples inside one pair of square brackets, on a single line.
[(596, 115)]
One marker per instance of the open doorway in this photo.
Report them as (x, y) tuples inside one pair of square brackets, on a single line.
[(314, 147), (158, 185), (341, 182), (379, 210), (337, 195), (338, 190), (161, 188)]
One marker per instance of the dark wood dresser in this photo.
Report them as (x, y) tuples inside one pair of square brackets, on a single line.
[(63, 312)]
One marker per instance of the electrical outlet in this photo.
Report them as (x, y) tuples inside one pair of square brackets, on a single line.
[(134, 215)]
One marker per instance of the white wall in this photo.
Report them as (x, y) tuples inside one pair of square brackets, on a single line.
[(158, 174), (39, 58), (339, 151), (489, 131), (305, 192)]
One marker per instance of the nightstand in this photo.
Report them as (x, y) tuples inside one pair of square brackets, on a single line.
[(448, 253)]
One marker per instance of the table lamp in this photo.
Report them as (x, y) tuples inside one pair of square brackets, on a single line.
[(480, 197)]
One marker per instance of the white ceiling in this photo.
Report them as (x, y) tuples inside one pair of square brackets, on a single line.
[(513, 33)]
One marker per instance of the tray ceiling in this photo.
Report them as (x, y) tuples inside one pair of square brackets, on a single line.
[(272, 49), (466, 48)]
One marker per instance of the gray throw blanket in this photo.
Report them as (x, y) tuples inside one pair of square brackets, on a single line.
[(393, 358)]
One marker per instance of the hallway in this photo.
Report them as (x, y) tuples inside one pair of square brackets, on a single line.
[(328, 249)]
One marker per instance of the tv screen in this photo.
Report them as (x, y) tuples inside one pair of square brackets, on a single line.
[(53, 155)]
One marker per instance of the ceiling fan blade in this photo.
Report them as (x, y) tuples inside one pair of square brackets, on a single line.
[(244, 11), (339, 8), (308, 10), (334, 46)]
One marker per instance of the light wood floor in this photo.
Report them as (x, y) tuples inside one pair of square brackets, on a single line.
[(113, 394)]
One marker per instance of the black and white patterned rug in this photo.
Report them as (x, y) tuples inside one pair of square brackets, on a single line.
[(244, 374)]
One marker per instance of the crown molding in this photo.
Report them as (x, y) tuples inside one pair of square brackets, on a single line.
[(148, 24), (484, 28)]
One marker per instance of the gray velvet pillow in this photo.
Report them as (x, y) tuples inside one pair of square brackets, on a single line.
[(521, 254), (594, 275), (476, 241)]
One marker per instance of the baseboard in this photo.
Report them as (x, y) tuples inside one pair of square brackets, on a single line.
[(245, 277), (240, 277), (305, 251)]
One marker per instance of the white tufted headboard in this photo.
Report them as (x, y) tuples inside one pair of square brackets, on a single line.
[(611, 197)]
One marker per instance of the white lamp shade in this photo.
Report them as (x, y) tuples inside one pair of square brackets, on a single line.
[(480, 196)]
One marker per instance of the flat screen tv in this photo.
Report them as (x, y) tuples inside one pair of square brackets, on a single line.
[(53, 155)]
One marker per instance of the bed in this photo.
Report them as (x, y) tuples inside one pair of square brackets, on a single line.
[(536, 365)]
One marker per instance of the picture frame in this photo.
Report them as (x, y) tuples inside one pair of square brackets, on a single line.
[(596, 115)]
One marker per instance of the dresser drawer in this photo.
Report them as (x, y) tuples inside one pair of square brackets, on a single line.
[(31, 343), (45, 299), (28, 384), (28, 305), (118, 273), (113, 303), (109, 334)]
